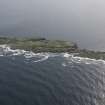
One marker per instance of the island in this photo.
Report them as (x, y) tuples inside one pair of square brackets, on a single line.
[(38, 45)]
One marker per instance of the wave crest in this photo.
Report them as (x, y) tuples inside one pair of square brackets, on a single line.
[(77, 59), (6, 50)]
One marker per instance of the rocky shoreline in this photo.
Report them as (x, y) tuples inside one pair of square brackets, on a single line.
[(38, 45)]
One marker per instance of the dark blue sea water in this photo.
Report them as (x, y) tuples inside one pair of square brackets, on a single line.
[(55, 80)]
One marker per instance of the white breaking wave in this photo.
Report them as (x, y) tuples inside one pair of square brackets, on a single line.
[(43, 59), (76, 59), (64, 64), (6, 50)]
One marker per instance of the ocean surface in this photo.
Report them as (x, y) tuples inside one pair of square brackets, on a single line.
[(27, 78)]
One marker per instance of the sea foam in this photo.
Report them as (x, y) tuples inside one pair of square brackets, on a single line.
[(6, 50), (77, 59)]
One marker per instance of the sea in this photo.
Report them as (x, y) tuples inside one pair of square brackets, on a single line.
[(28, 78)]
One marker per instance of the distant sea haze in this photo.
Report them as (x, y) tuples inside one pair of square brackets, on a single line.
[(81, 21), (91, 43)]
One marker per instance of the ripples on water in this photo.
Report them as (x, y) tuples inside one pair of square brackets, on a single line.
[(27, 78)]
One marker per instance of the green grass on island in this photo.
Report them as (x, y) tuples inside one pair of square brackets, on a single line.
[(39, 44), (92, 54), (55, 46)]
